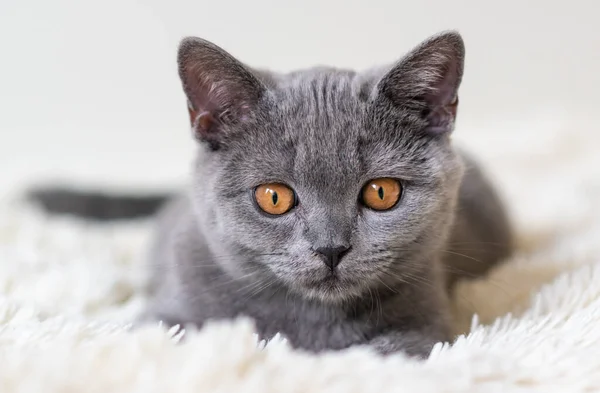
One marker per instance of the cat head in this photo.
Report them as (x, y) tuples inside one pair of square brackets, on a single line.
[(330, 182)]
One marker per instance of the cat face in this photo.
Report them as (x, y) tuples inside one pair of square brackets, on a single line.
[(327, 181)]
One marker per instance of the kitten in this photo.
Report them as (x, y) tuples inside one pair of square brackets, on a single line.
[(328, 205)]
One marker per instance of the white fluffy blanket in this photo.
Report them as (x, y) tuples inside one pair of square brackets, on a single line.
[(69, 288)]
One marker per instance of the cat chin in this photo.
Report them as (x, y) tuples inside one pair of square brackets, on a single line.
[(330, 291)]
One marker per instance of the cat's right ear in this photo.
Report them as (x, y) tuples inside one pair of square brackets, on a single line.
[(220, 90)]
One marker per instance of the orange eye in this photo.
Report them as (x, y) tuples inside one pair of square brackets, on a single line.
[(275, 198), (381, 194)]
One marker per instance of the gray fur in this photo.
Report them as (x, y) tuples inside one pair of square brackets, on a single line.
[(326, 132)]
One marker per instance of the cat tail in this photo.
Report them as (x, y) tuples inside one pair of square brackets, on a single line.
[(96, 205)]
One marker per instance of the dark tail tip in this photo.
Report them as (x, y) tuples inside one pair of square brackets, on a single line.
[(96, 205)]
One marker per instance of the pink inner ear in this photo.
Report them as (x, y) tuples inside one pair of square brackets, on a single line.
[(226, 101), (442, 109), (444, 91), (441, 118), (442, 101), (205, 123)]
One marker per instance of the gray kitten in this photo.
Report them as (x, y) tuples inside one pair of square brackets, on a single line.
[(328, 205)]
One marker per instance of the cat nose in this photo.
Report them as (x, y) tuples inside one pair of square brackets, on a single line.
[(332, 255)]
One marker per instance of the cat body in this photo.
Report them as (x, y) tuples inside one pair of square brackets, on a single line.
[(337, 265), (326, 132)]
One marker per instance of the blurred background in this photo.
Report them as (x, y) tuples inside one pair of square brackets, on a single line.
[(89, 90)]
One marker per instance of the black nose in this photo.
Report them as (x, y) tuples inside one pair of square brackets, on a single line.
[(332, 255)]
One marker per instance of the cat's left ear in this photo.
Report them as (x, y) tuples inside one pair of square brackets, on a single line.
[(427, 80)]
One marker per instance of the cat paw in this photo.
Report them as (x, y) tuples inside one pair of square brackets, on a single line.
[(413, 344)]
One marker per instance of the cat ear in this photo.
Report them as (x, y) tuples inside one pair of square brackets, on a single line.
[(220, 90), (427, 79)]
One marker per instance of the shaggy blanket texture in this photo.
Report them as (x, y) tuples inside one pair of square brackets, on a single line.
[(69, 289)]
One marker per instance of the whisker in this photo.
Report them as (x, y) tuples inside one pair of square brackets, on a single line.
[(474, 275), (212, 261), (263, 287), (379, 308), (452, 269), (462, 255), (478, 242), (251, 286), (212, 287), (385, 285), (371, 297)]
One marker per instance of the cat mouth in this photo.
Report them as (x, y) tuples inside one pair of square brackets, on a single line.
[(331, 282), (331, 289), (330, 279)]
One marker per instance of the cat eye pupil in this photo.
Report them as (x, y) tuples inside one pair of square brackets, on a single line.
[(380, 193), (274, 197)]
